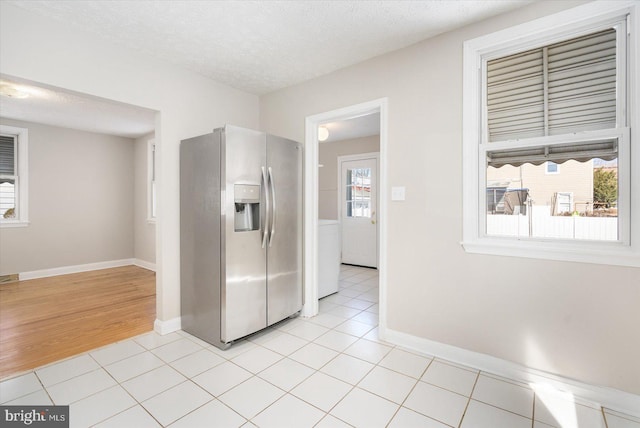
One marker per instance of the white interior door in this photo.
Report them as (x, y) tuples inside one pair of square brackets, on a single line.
[(358, 208)]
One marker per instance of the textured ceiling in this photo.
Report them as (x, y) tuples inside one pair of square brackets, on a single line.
[(262, 46)]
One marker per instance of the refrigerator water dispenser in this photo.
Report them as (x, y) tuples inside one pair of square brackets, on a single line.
[(247, 207)]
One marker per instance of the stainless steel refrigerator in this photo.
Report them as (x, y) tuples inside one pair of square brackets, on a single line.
[(240, 233)]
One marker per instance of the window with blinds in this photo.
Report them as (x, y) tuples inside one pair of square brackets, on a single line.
[(8, 176), (14, 176), (558, 103), (549, 108)]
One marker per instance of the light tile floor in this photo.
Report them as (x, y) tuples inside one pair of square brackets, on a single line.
[(327, 371)]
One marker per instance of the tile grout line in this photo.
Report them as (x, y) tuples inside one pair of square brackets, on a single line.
[(533, 411), (410, 392), (464, 413)]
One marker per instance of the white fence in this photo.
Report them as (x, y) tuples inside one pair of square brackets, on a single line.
[(7, 197), (544, 225)]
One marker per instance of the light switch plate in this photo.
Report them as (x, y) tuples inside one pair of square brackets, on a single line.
[(397, 193)]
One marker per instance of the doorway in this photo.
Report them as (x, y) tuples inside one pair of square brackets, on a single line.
[(87, 184), (312, 123)]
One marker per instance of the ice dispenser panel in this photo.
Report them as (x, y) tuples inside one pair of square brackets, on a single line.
[(247, 207)]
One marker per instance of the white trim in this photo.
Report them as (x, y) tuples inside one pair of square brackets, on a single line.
[(166, 327), (13, 223), (23, 177), (360, 156), (64, 270), (569, 23), (145, 264), (310, 304), (607, 397), (310, 307)]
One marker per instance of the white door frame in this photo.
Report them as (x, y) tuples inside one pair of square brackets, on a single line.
[(376, 209), (310, 307)]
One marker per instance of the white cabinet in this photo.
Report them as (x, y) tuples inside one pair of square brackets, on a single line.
[(328, 257)]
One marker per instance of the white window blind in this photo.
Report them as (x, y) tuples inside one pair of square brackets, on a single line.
[(556, 89), (515, 96), (7, 155)]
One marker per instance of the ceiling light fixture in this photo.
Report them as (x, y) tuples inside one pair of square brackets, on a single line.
[(12, 91), (323, 133)]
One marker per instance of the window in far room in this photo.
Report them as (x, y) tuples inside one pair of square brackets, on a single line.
[(151, 187), (13, 176)]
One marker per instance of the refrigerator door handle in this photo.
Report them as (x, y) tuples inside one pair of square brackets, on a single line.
[(267, 194), (273, 209)]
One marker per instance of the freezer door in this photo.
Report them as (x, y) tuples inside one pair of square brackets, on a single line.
[(243, 294), (284, 257), (200, 237)]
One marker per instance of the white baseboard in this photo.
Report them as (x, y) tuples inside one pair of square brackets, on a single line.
[(607, 397), (144, 264), (166, 327), (63, 270)]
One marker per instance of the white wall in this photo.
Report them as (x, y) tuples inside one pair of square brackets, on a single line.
[(328, 175), (36, 48), (80, 194), (144, 242), (573, 319)]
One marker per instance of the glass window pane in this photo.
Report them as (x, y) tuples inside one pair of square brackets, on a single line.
[(578, 202), (358, 194), (7, 198), (153, 199)]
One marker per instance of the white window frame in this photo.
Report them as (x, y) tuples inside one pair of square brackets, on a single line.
[(22, 180), (152, 184), (561, 26)]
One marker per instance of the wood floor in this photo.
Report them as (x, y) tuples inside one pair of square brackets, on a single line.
[(47, 319)]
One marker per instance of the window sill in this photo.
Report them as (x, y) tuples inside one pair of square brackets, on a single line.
[(616, 254), (13, 223)]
